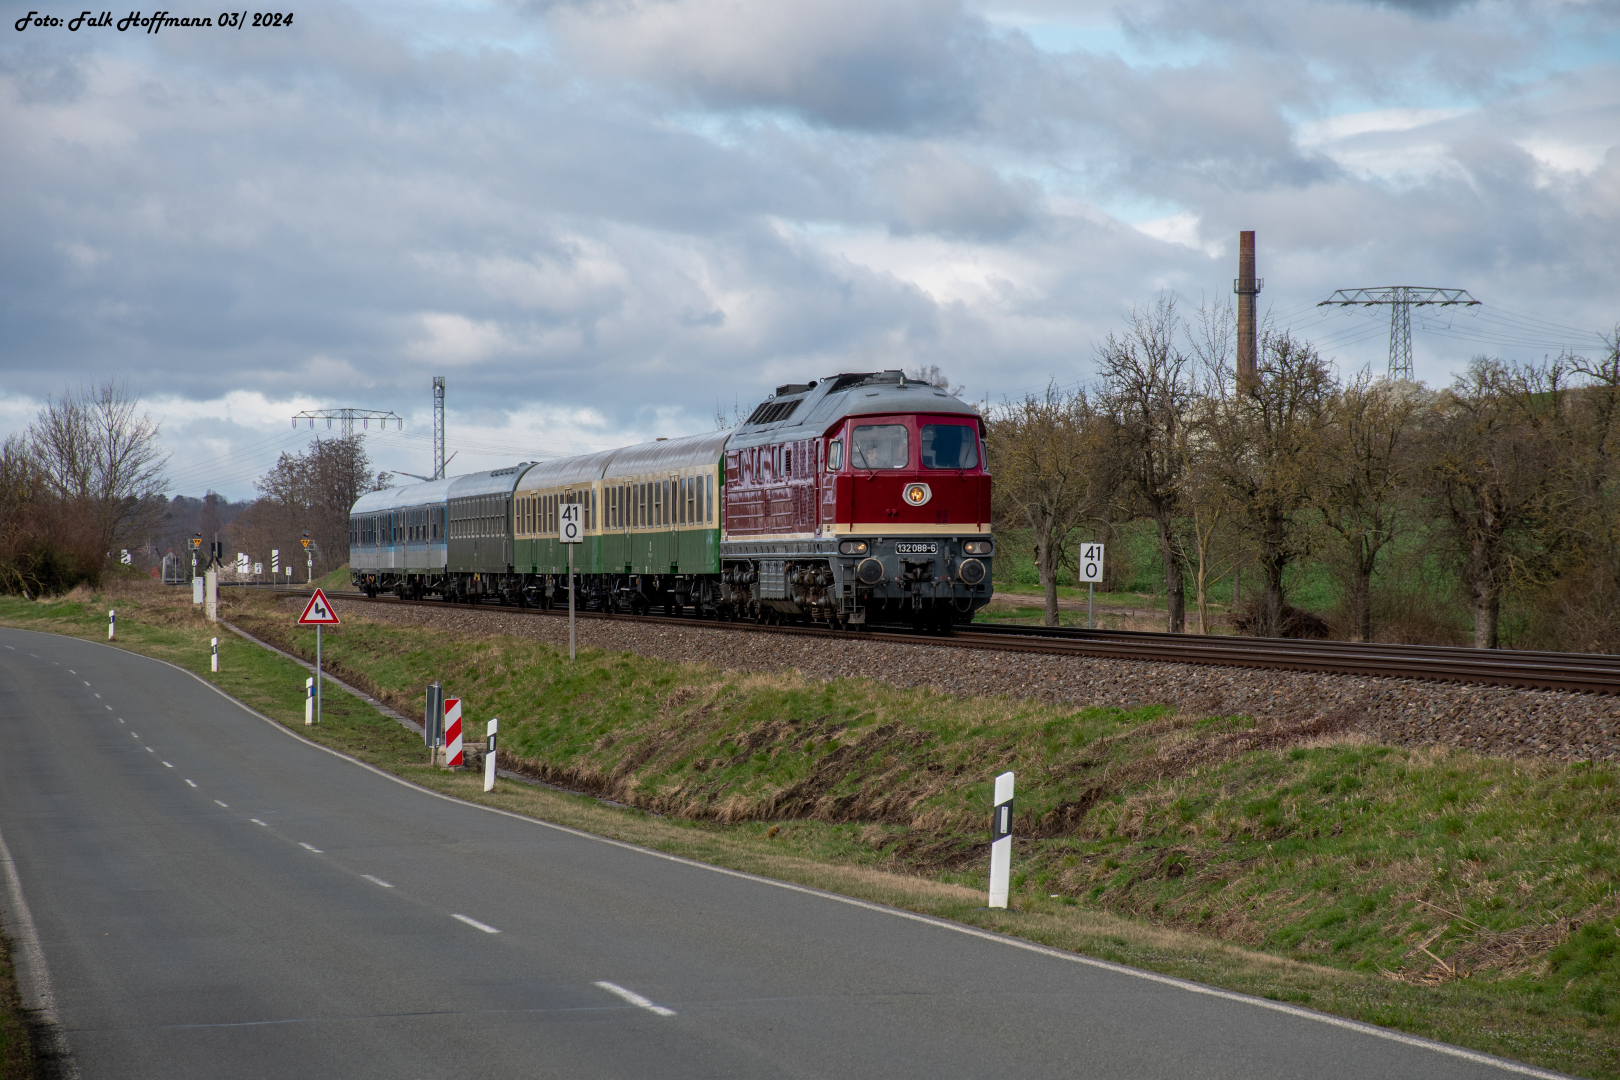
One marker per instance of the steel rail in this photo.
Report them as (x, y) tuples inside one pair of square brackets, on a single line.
[(1588, 673)]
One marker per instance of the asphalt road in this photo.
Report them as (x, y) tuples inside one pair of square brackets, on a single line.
[(213, 898)]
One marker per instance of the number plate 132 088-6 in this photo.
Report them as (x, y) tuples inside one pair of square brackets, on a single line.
[(916, 549)]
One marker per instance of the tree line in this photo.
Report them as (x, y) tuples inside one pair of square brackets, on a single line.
[(1503, 485), (85, 482)]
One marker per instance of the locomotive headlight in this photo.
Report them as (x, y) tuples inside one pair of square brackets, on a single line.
[(852, 547), (979, 547), (917, 494)]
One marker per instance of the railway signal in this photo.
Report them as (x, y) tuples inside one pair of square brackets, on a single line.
[(318, 613)]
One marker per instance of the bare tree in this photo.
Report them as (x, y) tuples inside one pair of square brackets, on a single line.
[(1497, 484), (313, 491), (1147, 392), (1365, 467), (99, 453), (1264, 438), (935, 377), (1043, 451)]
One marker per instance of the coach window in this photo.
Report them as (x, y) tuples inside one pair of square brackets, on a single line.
[(880, 446), (708, 496)]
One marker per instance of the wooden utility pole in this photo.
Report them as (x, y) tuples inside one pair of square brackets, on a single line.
[(1247, 287)]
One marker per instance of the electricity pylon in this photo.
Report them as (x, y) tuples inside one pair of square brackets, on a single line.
[(438, 427), (1401, 299), (347, 417)]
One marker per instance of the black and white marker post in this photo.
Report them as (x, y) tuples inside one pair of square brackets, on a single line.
[(489, 756), (1001, 841), (112, 624), (568, 533), (213, 657)]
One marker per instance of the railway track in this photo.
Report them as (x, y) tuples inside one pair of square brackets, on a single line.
[(1573, 672)]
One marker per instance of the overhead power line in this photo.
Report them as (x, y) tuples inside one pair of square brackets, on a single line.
[(1400, 299)]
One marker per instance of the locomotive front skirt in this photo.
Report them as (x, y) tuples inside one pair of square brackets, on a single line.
[(862, 498)]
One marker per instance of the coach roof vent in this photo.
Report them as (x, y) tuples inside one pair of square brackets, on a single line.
[(794, 388)]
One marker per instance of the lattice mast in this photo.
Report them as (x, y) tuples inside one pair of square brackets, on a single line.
[(438, 427), (1400, 300)]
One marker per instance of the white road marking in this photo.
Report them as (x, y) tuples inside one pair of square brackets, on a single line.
[(109, 708), (475, 924), (166, 765), (309, 847), (256, 821), (86, 682), (636, 999), (134, 735), (377, 881), (193, 783), (149, 750), (225, 805), (120, 719), (32, 973)]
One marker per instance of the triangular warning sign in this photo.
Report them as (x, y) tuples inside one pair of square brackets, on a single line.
[(318, 612)]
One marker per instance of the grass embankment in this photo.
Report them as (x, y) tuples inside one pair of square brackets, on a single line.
[(1431, 891)]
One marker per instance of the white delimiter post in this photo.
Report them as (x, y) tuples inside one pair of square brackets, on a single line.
[(309, 702), (213, 655), (489, 754), (1001, 841), (112, 624)]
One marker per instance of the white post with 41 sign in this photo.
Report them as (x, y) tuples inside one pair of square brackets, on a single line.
[(570, 531), (1091, 572)]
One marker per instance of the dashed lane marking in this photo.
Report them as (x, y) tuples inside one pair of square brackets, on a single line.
[(635, 999), (377, 881), (256, 821), (149, 750), (109, 708), (166, 765), (309, 847), (225, 805), (193, 783), (475, 924)]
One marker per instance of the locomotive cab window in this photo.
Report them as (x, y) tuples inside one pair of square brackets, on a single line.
[(880, 446), (835, 455), (949, 446)]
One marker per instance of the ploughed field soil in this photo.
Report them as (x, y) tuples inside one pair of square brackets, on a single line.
[(1498, 721)]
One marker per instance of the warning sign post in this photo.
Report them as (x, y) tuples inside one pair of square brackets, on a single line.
[(318, 613)]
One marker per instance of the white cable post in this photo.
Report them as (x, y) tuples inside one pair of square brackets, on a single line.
[(489, 757), (112, 624), (213, 657), (1001, 841), (211, 595), (197, 591), (309, 702)]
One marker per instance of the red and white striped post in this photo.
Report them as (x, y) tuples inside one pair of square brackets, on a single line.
[(452, 733)]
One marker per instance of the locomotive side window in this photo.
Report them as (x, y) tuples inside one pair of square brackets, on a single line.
[(880, 446), (835, 455), (949, 446)]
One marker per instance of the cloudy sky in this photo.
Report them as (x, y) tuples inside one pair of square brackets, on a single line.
[(600, 221)]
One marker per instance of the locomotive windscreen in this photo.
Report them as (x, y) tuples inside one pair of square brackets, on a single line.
[(949, 446), (880, 446)]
